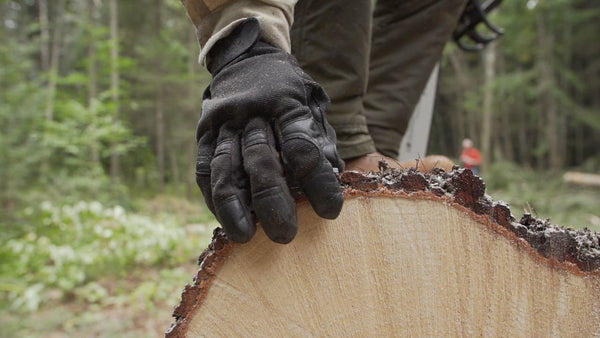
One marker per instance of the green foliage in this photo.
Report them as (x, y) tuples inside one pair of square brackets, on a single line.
[(21, 102), (75, 143), (63, 250)]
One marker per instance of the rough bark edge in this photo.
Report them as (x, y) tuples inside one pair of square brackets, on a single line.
[(575, 251), (193, 295)]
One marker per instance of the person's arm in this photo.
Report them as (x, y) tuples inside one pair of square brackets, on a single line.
[(263, 127), (215, 19)]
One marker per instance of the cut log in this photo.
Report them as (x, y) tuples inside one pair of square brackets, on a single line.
[(584, 179), (411, 254)]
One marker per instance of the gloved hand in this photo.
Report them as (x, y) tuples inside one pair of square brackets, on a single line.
[(263, 121)]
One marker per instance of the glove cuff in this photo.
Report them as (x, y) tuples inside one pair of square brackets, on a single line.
[(227, 49)]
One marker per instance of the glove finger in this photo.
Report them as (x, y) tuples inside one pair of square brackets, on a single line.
[(323, 191), (206, 146), (230, 191), (274, 206), (304, 160)]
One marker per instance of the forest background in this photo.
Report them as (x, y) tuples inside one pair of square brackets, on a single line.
[(100, 218)]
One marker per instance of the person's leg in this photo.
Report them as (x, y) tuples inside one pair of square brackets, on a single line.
[(408, 39), (331, 40)]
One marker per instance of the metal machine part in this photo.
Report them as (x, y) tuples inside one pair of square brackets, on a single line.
[(475, 13)]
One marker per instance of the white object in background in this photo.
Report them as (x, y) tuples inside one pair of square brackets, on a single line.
[(415, 140)]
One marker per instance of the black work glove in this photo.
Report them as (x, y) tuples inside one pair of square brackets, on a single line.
[(263, 120)]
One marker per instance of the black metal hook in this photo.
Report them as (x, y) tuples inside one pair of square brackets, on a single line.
[(474, 14)]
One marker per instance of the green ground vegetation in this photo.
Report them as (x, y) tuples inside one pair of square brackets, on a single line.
[(86, 269), (100, 219)]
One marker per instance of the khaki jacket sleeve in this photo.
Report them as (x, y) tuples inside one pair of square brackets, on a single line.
[(215, 19)]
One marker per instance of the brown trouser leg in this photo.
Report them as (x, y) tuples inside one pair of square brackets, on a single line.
[(332, 41), (408, 40)]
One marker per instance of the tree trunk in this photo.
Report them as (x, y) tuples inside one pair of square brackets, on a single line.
[(506, 129), (582, 179), (504, 113), (174, 169), (115, 166), (44, 36), (566, 117), (160, 135), (407, 257), (93, 76), (579, 131), (459, 67), (160, 123), (54, 59), (489, 57), (473, 125), (547, 82), (52, 70), (524, 140)]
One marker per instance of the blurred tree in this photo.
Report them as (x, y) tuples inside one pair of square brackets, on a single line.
[(114, 82), (92, 73), (489, 63), (545, 89), (160, 103), (91, 89)]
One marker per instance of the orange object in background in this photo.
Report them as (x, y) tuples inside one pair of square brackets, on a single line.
[(470, 156)]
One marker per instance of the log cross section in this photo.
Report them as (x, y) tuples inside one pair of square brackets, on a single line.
[(411, 254)]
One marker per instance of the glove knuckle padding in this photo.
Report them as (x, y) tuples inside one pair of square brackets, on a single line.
[(318, 105), (301, 155), (305, 161)]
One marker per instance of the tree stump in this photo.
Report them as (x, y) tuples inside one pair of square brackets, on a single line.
[(411, 254)]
